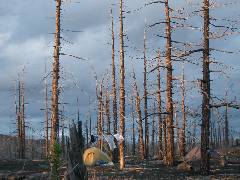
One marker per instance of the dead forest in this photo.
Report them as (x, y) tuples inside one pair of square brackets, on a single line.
[(164, 103)]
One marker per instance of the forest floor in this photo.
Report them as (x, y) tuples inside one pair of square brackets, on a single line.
[(152, 169)]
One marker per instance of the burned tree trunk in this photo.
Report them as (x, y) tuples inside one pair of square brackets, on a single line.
[(46, 115), (205, 165), (75, 148), (133, 127), (114, 92), (226, 128), (160, 123), (100, 118), (153, 130), (184, 120), (139, 113), (145, 99), (122, 90), (55, 78), (107, 111), (169, 101)]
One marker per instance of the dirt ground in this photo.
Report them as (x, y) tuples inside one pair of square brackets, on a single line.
[(152, 169)]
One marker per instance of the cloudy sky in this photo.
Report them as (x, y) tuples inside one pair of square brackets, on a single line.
[(26, 42)]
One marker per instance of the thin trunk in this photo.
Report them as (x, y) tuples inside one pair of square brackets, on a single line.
[(169, 102), (133, 127), (107, 111), (122, 90), (114, 93), (177, 129), (153, 130), (23, 121), (205, 158), (140, 126), (145, 99), (184, 119), (226, 128), (160, 123), (100, 118), (46, 114), (55, 78)]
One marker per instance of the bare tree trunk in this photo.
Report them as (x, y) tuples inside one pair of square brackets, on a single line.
[(165, 138), (133, 127), (107, 111), (23, 121), (145, 99), (177, 128), (46, 114), (153, 130), (55, 78), (140, 126), (114, 93), (100, 118), (160, 123), (184, 120), (122, 90), (205, 165), (226, 128), (169, 103)]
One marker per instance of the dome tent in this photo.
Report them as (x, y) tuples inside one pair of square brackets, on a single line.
[(93, 156)]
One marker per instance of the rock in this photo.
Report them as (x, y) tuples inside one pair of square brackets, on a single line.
[(184, 166)]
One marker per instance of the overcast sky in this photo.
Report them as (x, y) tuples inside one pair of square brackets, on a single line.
[(26, 40)]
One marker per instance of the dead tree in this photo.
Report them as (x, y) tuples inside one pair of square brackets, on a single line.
[(75, 148), (184, 119), (20, 108), (153, 130), (139, 113), (145, 98), (114, 92), (205, 158), (169, 101), (160, 123), (133, 127), (100, 117), (46, 115), (107, 110), (122, 89), (55, 78)]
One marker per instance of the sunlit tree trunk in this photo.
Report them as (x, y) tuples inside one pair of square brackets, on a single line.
[(139, 113), (55, 78), (184, 120), (169, 101), (122, 89)]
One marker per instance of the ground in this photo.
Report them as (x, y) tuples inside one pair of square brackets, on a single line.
[(152, 169)]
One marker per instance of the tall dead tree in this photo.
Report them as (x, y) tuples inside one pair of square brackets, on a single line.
[(55, 78), (100, 116), (153, 129), (20, 108), (133, 127), (169, 101), (139, 113), (46, 115), (114, 91), (107, 110), (226, 128), (160, 123), (184, 119), (205, 158), (122, 89), (145, 98)]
